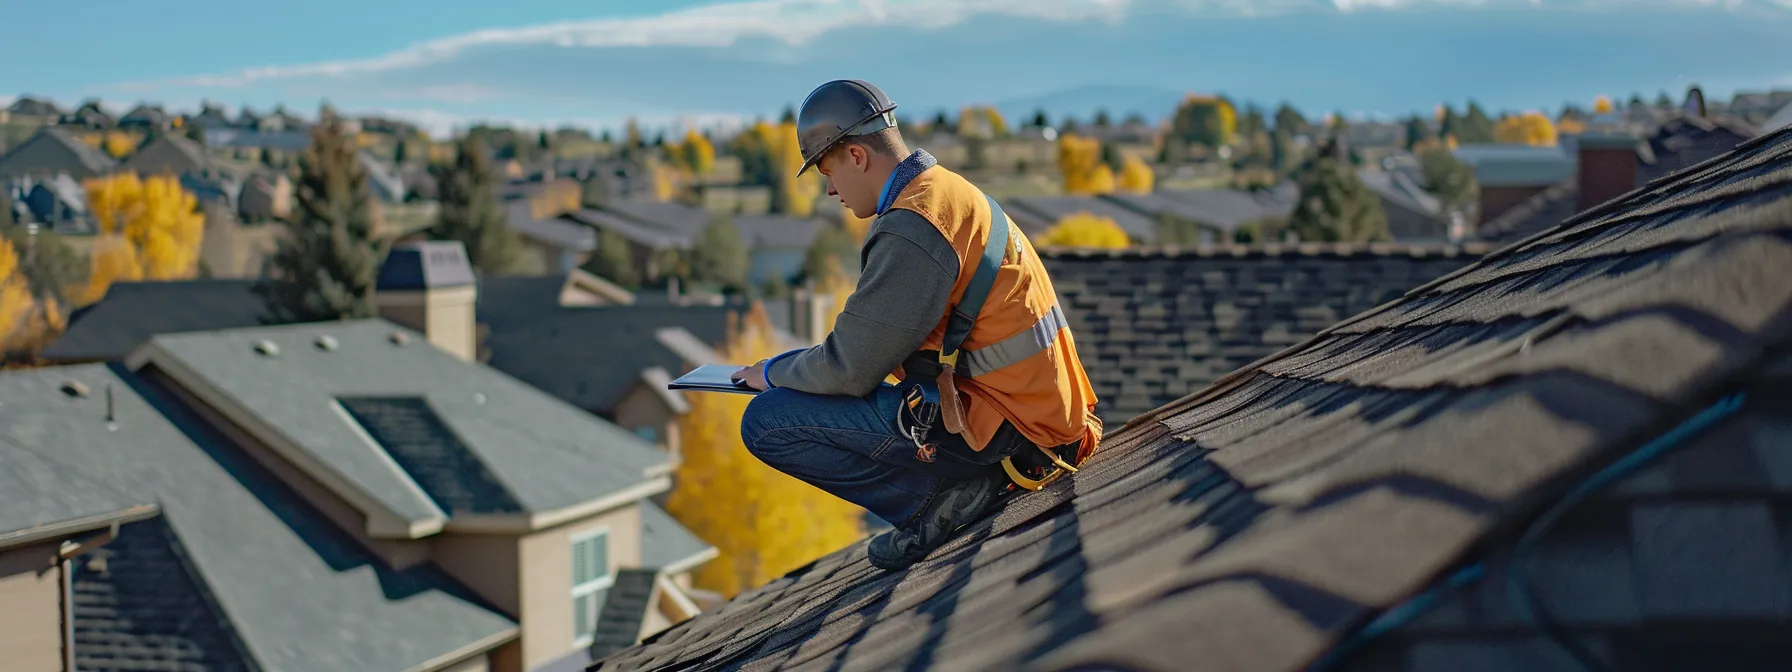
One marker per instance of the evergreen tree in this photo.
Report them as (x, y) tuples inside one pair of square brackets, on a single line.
[(267, 158), (543, 141), (613, 261), (833, 249), (789, 115), (1283, 154), (1417, 132), (1290, 119), (605, 138), (1450, 126), (1068, 125), (1112, 157), (1252, 121), (399, 153), (1334, 203), (195, 133), (720, 255), (49, 264), (1039, 119), (940, 122), (1476, 126), (469, 213), (1448, 177), (669, 263), (325, 266), (1663, 100), (1636, 100), (1101, 118)]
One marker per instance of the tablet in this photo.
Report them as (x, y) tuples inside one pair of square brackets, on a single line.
[(712, 378)]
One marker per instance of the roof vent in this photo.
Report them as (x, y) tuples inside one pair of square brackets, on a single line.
[(400, 338), (326, 342), (74, 388), (267, 347)]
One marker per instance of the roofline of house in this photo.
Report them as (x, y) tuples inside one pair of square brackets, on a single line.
[(382, 522), (522, 523), (72, 527), (691, 562), (1266, 250), (448, 660)]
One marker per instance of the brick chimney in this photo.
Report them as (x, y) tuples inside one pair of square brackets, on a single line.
[(1606, 167), (429, 286)]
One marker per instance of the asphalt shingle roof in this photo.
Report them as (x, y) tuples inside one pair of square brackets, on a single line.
[(54, 149), (1044, 211), (1255, 525), (1224, 209), (298, 592), (1153, 326), (665, 544), (546, 454), (591, 357), (44, 494), (1517, 165), (137, 607), (131, 312)]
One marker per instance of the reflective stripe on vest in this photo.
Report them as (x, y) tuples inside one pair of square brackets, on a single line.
[(1013, 349)]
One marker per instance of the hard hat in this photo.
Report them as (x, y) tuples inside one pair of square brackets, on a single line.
[(837, 110)]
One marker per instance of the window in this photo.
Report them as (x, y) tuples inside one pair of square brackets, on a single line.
[(648, 433), (590, 576)]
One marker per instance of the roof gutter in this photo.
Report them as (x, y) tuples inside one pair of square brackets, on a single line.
[(73, 527)]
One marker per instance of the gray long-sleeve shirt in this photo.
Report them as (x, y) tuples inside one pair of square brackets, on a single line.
[(909, 269)]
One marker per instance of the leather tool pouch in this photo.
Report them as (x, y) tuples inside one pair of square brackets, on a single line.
[(919, 414)]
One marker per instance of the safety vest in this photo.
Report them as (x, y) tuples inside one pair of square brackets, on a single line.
[(1019, 362)]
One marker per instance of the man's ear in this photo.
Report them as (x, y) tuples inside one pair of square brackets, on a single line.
[(861, 157)]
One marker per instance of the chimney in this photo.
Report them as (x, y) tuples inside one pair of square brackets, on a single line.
[(1605, 167), (429, 286)]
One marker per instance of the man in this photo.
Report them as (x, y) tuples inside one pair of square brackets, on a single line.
[(992, 394)]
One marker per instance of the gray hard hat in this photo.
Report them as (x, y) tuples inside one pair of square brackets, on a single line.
[(838, 110)]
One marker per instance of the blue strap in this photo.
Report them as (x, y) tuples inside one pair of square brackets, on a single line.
[(964, 315)]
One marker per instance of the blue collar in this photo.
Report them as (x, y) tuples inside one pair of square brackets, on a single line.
[(904, 172)]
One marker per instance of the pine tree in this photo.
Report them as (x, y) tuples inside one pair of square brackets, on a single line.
[(613, 261), (1334, 203), (1450, 125), (1284, 156), (325, 266), (1417, 132), (788, 116), (720, 255), (469, 213), (1290, 120), (1101, 118), (1448, 177), (940, 122), (399, 155), (1040, 120), (1476, 126), (832, 250)]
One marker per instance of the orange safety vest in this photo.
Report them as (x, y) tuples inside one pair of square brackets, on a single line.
[(1019, 362)]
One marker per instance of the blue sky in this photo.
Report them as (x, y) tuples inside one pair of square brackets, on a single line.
[(596, 62)]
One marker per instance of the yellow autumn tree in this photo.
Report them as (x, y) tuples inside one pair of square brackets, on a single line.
[(763, 522), (796, 195), (15, 293), (1083, 229), (117, 144), (1530, 128), (150, 229), (1136, 177), (981, 121), (694, 153), (665, 181), (1079, 162), (1602, 105)]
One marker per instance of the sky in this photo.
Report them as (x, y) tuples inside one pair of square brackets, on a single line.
[(595, 63)]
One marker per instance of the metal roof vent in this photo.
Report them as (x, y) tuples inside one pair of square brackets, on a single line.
[(326, 342), (267, 347), (400, 338), (74, 388)]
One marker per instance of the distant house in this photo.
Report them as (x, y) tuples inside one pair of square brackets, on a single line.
[(316, 470), (29, 108), (387, 183), (146, 117), (89, 116), (53, 151), (59, 201), (1509, 174), (1036, 214), (1413, 214), (1218, 212), (168, 154), (777, 245), (561, 242), (1779, 120), (265, 197), (210, 118)]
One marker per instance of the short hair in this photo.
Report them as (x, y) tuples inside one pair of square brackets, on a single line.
[(887, 142)]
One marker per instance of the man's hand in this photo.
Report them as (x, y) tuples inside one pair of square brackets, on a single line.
[(753, 376)]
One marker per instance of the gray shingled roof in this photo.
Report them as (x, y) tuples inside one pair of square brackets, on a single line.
[(138, 607), (763, 232), (667, 545), (53, 149), (1047, 210), (1228, 208), (1548, 208), (131, 312), (591, 357), (46, 497), (1517, 165), (1256, 525), (298, 592), (560, 231), (1155, 325), (650, 235), (546, 454)]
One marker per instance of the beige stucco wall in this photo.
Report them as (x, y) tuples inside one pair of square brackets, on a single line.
[(445, 316), (31, 620), (546, 578)]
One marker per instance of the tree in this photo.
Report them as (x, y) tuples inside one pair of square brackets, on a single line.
[(831, 252), (1079, 161), (1083, 229), (940, 123), (1530, 128), (15, 295), (1663, 100), (325, 266), (1451, 180), (1417, 132), (117, 144), (544, 142), (1290, 120), (1476, 126), (755, 149), (1602, 105), (763, 522), (694, 153), (1040, 120), (1334, 204), (668, 263), (613, 261), (1449, 124), (789, 115), (399, 155), (196, 134), (1175, 231), (1101, 118), (719, 256), (1252, 120), (1136, 177), (1284, 156), (981, 121), (469, 213), (794, 196), (150, 229), (1207, 121), (51, 266)]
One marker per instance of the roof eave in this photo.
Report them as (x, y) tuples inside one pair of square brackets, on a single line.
[(69, 528), (520, 523)]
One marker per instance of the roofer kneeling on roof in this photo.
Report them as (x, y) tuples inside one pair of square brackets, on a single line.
[(992, 397)]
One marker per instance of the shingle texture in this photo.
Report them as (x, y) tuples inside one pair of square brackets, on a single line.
[(425, 448), (625, 608), (1154, 326), (134, 311), (1253, 526), (42, 492), (664, 542), (298, 593)]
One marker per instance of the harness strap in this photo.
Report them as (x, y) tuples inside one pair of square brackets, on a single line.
[(964, 315)]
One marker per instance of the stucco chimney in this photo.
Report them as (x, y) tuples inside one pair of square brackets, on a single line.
[(429, 286)]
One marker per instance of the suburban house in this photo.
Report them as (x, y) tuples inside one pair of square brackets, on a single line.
[(1218, 213), (1510, 174), (33, 109), (1568, 454), (53, 516), (777, 245), (146, 117), (52, 151), (1035, 214), (89, 116), (575, 336), (458, 518), (1413, 214)]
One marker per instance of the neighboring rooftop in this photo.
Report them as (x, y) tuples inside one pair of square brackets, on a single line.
[(1517, 165), (54, 150), (1301, 507), (46, 498), (131, 312)]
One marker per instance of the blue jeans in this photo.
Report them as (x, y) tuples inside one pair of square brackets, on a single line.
[(851, 448)]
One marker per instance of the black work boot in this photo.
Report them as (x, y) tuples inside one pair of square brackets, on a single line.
[(958, 503)]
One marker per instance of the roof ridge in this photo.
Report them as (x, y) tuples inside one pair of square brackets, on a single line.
[(1237, 250)]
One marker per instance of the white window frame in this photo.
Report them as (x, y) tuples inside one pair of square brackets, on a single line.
[(583, 639)]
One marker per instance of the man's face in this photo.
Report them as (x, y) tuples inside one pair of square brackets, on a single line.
[(847, 169)]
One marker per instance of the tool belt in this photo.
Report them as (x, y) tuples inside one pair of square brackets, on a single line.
[(1027, 465)]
